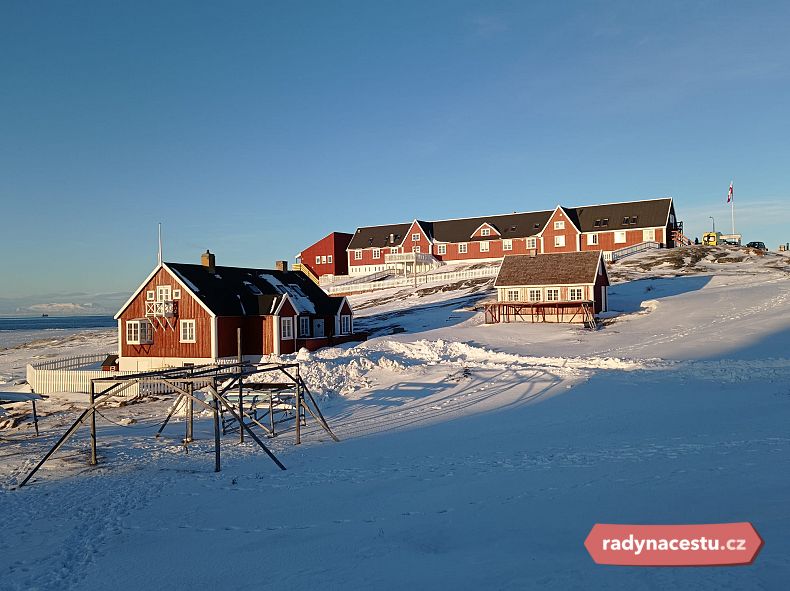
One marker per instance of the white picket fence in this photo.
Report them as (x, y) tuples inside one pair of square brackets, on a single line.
[(443, 277), (64, 375)]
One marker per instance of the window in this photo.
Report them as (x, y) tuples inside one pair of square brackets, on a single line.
[(648, 235), (415, 237), (345, 324), (534, 295), (485, 232), (139, 332), (176, 294), (484, 246), (575, 294), (626, 220), (507, 245), (150, 295), (604, 222), (513, 295), (592, 239), (162, 293), (329, 259), (552, 295), (323, 259), (376, 253), (415, 249), (559, 225), (394, 250), (187, 331), (559, 241), (317, 260), (597, 224), (357, 255), (286, 328), (304, 326), (619, 237), (532, 243), (441, 249), (462, 248), (634, 218)]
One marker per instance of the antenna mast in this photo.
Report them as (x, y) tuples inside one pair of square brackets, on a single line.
[(159, 252)]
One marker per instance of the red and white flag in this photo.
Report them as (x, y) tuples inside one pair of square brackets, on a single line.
[(730, 194)]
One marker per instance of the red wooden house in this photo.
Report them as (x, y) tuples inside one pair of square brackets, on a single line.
[(185, 313), (327, 256)]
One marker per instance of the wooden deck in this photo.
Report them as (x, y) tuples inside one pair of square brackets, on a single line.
[(581, 311)]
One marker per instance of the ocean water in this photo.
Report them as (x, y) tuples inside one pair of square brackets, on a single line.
[(15, 331)]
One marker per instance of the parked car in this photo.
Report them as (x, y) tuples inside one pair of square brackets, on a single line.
[(758, 246)]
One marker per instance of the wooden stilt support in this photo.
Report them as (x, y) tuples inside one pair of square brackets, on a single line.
[(241, 392), (35, 416), (93, 424), (189, 411), (169, 416)]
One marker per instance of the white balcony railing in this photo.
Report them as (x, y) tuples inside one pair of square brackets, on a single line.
[(167, 309), (410, 257)]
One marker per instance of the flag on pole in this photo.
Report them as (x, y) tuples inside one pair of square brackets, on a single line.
[(730, 194)]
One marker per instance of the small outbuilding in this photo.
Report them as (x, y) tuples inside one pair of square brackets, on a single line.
[(562, 287)]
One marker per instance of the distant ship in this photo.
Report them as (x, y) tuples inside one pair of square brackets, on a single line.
[(45, 315)]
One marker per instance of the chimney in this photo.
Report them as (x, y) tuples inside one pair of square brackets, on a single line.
[(392, 238), (281, 265), (207, 260)]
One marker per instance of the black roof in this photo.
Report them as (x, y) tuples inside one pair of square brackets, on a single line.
[(379, 236), (238, 291), (640, 214), (512, 225)]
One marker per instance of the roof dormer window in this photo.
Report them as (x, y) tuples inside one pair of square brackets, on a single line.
[(485, 232)]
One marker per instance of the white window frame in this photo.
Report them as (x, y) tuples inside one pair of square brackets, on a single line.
[(507, 244), (484, 246), (394, 250), (329, 259), (532, 243), (187, 331), (559, 225), (286, 328), (463, 248), (415, 237), (485, 232), (318, 259), (552, 294), (513, 295), (376, 253), (345, 324), (620, 237), (649, 235), (150, 295), (415, 248), (592, 239), (535, 294), (304, 326), (323, 259), (441, 249), (139, 332), (164, 293), (559, 241), (576, 291), (358, 255), (176, 294)]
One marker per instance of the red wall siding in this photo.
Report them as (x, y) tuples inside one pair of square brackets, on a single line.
[(334, 245), (409, 244), (606, 239), (569, 232), (473, 250), (287, 345), (166, 340), (253, 335)]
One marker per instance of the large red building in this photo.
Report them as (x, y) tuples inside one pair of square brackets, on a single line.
[(185, 313), (607, 228)]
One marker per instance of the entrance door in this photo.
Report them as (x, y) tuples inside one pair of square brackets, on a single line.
[(318, 327)]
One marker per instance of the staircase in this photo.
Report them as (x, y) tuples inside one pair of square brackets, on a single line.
[(616, 255), (304, 269), (589, 316)]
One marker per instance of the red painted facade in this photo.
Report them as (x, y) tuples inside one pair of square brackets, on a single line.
[(568, 234), (328, 255), (166, 335)]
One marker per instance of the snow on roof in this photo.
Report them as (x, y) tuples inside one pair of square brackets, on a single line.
[(300, 301), (186, 281)]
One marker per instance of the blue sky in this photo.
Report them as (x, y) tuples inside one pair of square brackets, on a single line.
[(255, 128)]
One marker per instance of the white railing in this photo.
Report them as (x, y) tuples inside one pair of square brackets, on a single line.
[(167, 309), (411, 257), (70, 362), (627, 251), (413, 280)]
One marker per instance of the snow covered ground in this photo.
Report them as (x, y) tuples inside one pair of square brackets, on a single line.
[(471, 456)]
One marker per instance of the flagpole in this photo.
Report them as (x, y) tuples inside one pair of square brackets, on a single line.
[(732, 205)]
